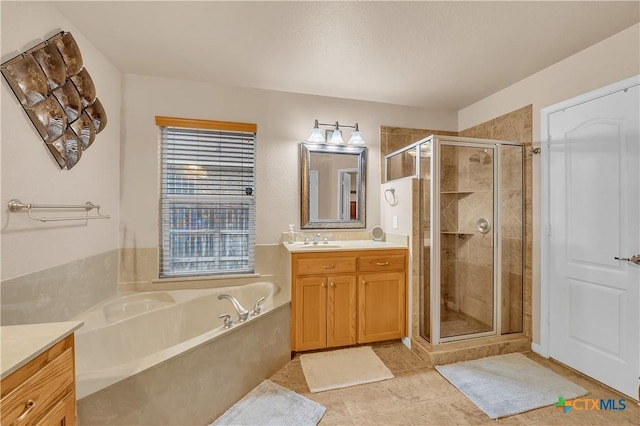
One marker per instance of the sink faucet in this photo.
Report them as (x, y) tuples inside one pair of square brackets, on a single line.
[(316, 238), (243, 314)]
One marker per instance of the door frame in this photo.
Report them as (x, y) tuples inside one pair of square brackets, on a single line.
[(545, 192), (341, 195)]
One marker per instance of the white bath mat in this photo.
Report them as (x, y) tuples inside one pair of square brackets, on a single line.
[(509, 384), (342, 368), (271, 404)]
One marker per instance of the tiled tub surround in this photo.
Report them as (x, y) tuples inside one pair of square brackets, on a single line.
[(139, 271), (59, 293), (171, 361)]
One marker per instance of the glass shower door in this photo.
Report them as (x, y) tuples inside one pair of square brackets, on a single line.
[(467, 240)]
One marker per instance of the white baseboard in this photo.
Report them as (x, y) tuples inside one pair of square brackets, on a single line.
[(536, 348)]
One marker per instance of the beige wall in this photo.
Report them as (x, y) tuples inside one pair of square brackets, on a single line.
[(283, 120), (611, 60), (29, 171)]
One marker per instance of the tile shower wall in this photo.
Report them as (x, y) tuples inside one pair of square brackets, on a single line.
[(467, 258), (394, 138), (514, 126)]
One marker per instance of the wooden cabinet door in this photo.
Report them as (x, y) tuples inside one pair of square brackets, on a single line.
[(342, 310), (63, 414), (381, 306), (310, 313)]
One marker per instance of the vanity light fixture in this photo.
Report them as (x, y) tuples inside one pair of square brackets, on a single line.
[(335, 137)]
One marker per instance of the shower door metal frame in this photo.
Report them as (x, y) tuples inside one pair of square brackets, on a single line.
[(435, 282), (434, 230)]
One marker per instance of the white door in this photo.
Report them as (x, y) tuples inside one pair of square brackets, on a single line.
[(594, 218)]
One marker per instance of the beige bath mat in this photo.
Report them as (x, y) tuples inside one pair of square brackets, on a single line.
[(342, 368)]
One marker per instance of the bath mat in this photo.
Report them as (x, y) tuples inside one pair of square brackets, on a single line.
[(509, 384), (342, 368), (271, 404)]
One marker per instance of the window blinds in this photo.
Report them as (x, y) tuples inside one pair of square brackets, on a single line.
[(207, 201)]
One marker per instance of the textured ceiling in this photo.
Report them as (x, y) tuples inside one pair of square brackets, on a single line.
[(429, 54)]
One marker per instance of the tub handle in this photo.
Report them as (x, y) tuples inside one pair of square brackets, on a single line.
[(228, 321), (257, 308)]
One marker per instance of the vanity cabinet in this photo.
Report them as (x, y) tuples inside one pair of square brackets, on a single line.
[(348, 297), (382, 297), (42, 392), (324, 301)]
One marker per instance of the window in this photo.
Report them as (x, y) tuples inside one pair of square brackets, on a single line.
[(207, 197)]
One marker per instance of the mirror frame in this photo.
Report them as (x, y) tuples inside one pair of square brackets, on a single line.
[(306, 149)]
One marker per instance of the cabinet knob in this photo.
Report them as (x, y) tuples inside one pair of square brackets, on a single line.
[(323, 285), (364, 282), (328, 266), (332, 284)]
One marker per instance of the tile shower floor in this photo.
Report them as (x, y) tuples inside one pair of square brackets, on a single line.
[(456, 323), (418, 395)]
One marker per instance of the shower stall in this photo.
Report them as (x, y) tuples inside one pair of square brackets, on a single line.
[(471, 234)]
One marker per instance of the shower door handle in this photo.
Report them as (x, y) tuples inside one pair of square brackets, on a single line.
[(633, 259)]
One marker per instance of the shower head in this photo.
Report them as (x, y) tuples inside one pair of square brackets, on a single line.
[(481, 157)]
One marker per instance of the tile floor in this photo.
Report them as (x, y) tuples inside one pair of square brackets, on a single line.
[(418, 395)]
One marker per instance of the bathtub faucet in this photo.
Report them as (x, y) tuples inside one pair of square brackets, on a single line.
[(243, 314)]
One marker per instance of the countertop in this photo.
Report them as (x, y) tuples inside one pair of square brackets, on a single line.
[(19, 344), (343, 245)]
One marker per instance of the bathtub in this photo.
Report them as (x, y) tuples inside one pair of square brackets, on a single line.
[(136, 349)]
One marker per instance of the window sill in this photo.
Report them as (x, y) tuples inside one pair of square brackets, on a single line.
[(205, 278)]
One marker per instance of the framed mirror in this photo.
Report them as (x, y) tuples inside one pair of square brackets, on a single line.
[(333, 186)]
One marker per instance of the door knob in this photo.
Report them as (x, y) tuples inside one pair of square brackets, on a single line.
[(633, 259)]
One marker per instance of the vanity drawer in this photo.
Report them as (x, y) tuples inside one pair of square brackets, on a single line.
[(382, 262), (325, 265), (40, 392)]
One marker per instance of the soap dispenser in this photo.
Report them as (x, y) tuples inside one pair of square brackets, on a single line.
[(292, 235)]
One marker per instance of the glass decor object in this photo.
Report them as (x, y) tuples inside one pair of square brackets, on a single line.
[(84, 130), (96, 113), (67, 149), (69, 98), (26, 78), (49, 118), (84, 84), (67, 46), (58, 95), (52, 64)]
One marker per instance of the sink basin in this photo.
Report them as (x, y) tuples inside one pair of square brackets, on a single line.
[(319, 246)]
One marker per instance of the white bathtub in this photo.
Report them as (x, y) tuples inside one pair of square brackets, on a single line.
[(131, 333)]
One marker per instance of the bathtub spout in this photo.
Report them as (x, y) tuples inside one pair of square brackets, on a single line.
[(243, 314)]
